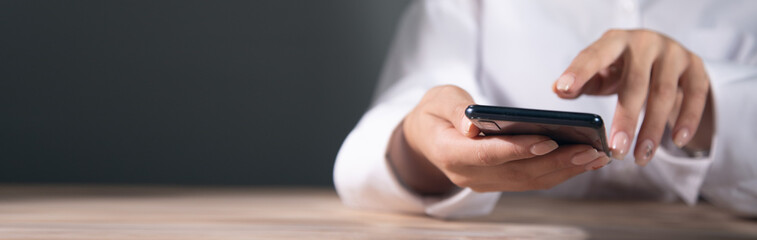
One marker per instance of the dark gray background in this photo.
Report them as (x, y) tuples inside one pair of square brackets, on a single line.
[(185, 92)]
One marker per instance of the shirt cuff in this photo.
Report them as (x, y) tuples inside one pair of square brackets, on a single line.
[(732, 179), (679, 173)]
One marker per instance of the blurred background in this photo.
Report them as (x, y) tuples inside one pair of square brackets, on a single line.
[(225, 92)]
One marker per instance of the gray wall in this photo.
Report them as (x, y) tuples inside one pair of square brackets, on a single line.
[(185, 92)]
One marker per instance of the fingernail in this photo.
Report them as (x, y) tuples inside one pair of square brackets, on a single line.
[(465, 125), (544, 147), (598, 163), (648, 147), (619, 145), (565, 82), (584, 157), (681, 137)]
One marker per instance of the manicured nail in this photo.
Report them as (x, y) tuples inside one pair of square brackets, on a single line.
[(544, 147), (598, 163), (565, 82), (619, 145), (681, 137), (585, 157), (648, 147), (465, 124)]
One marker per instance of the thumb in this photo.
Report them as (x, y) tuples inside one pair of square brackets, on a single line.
[(450, 102), (466, 127)]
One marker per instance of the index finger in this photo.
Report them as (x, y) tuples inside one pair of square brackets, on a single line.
[(590, 61)]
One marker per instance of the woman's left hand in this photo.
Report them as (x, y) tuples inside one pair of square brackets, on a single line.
[(643, 67)]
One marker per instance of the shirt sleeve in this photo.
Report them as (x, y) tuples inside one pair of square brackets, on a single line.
[(727, 176), (731, 180), (436, 45)]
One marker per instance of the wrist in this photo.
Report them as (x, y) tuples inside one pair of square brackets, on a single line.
[(413, 170)]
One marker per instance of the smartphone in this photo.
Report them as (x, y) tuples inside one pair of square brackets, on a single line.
[(563, 127)]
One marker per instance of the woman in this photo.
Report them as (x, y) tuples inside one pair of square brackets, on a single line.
[(672, 79)]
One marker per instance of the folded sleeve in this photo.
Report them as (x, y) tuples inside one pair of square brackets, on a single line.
[(731, 180), (727, 175), (435, 45)]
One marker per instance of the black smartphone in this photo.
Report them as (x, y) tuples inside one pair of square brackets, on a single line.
[(563, 127)]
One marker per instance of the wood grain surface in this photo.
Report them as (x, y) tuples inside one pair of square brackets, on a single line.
[(139, 212)]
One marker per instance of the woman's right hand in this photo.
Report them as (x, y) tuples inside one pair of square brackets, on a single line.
[(436, 148)]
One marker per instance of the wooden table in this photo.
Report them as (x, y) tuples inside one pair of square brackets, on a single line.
[(129, 212)]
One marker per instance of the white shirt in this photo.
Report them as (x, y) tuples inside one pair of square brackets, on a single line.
[(510, 52)]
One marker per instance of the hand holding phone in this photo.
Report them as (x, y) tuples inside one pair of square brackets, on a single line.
[(436, 148)]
